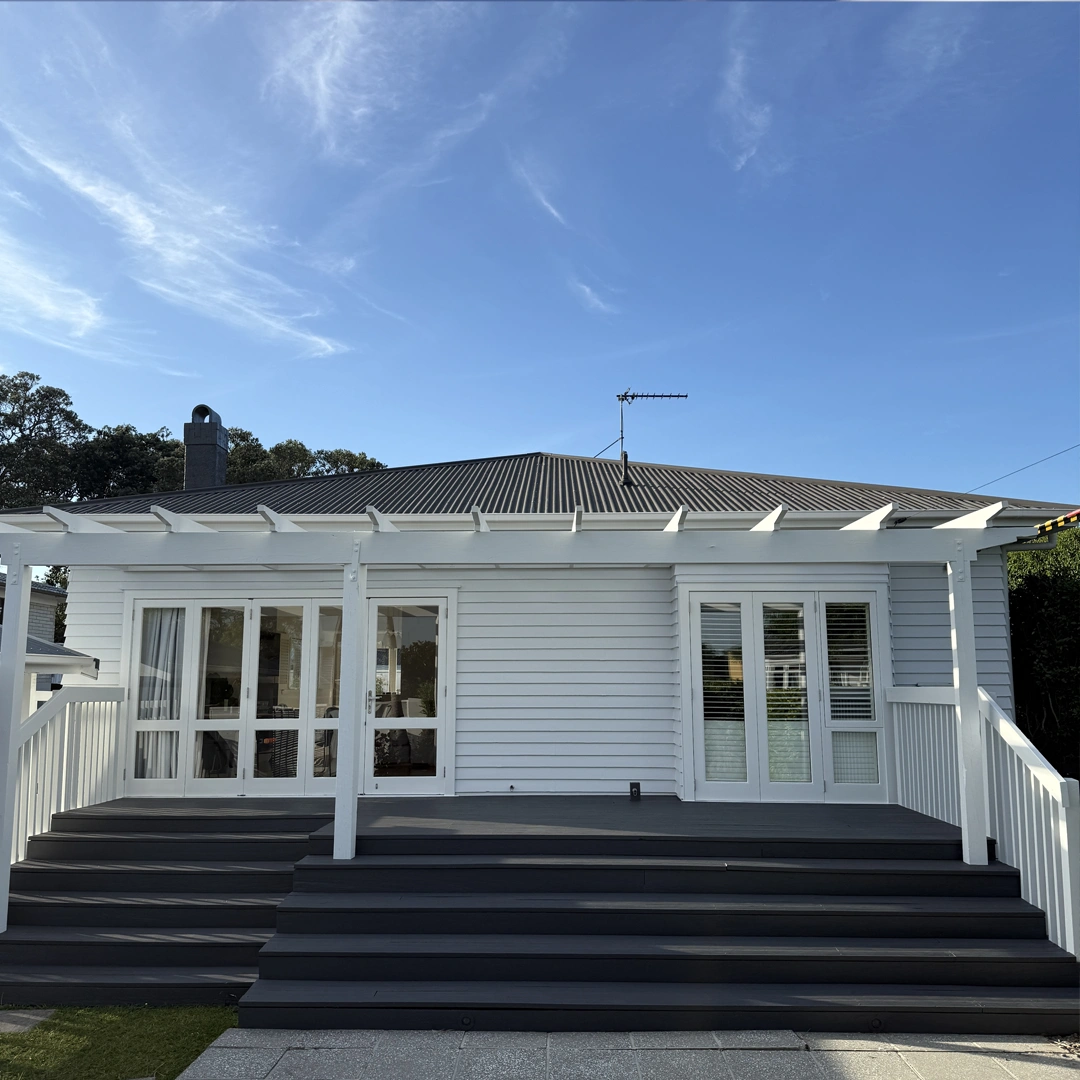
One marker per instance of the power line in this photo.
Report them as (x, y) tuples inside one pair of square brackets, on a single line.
[(1015, 471)]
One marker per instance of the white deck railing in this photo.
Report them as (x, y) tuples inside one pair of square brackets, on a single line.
[(68, 756), (1034, 815), (927, 752)]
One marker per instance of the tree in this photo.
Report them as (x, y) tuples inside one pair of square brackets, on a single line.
[(1044, 612), (250, 462), (124, 461), (38, 431)]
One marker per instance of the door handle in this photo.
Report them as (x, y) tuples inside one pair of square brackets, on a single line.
[(370, 699)]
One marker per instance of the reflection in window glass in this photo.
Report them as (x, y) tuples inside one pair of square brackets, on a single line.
[(405, 752), (221, 661), (325, 760), (276, 753), (161, 664), (723, 692), (785, 693), (328, 681), (280, 651), (851, 685), (406, 661), (216, 754), (156, 754)]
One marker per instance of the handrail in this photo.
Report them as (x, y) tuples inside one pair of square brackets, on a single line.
[(60, 700), (1060, 787), (920, 695)]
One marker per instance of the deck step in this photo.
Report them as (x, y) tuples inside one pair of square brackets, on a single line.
[(159, 816), (613, 958), (662, 913), (629, 874), (51, 985), (286, 846), (606, 1006), (131, 946), (143, 909), (107, 875)]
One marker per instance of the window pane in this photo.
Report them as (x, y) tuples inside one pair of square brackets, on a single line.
[(276, 753), (156, 755), (405, 752), (406, 662), (216, 754), (722, 691), (161, 664), (325, 760), (221, 662), (280, 651), (851, 688), (785, 693), (328, 684), (855, 757)]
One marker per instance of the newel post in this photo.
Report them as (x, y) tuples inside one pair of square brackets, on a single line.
[(12, 678), (969, 725), (351, 705)]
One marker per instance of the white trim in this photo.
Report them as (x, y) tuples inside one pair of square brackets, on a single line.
[(921, 695), (873, 521)]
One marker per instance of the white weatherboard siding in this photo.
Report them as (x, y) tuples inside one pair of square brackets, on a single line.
[(922, 647), (566, 679)]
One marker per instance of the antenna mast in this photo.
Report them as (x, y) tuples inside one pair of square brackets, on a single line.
[(627, 397)]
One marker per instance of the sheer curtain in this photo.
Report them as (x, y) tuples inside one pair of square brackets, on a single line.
[(161, 666)]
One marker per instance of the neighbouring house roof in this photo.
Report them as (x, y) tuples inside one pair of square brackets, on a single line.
[(42, 655), (540, 483), (38, 587)]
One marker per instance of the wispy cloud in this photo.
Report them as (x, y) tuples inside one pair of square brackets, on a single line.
[(746, 120), (189, 250), (19, 199), (590, 299), (526, 176)]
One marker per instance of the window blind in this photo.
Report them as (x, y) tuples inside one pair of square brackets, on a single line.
[(723, 692)]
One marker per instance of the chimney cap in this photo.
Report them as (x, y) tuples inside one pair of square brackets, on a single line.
[(203, 414)]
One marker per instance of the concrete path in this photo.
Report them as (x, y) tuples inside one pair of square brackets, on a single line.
[(243, 1054)]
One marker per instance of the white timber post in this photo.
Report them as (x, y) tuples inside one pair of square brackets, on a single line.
[(12, 681), (969, 724), (1069, 839), (352, 707)]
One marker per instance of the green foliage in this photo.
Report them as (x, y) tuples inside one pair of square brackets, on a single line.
[(1044, 611), (113, 1043), (58, 575), (250, 461), (786, 704)]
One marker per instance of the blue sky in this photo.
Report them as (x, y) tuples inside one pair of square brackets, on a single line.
[(431, 232)]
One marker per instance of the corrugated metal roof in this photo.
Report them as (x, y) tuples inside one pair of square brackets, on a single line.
[(543, 484)]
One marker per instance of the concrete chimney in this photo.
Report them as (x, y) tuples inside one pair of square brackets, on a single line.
[(206, 449)]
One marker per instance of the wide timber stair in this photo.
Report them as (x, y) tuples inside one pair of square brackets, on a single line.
[(143, 902), (515, 928)]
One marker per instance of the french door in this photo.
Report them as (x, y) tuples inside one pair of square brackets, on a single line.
[(407, 703), (235, 697), (785, 697)]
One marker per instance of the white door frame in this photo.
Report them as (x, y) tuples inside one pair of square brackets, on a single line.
[(443, 783)]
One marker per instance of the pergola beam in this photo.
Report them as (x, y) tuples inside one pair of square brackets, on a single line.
[(678, 520), (977, 519), (579, 513), (178, 523), (380, 523), (876, 519), (77, 523), (479, 521), (277, 522), (771, 521)]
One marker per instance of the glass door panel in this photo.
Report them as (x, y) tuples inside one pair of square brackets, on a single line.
[(403, 744), (327, 695), (159, 693), (276, 744)]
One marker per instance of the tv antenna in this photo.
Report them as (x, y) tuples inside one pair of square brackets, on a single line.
[(628, 397)]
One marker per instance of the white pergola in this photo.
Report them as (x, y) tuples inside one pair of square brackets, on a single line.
[(267, 539)]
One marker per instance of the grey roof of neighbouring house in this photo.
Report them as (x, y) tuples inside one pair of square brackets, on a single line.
[(40, 647), (38, 586), (541, 483)]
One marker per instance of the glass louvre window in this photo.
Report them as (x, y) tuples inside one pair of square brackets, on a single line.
[(787, 710), (280, 650), (854, 756), (161, 661), (723, 692), (328, 678), (851, 688), (221, 662)]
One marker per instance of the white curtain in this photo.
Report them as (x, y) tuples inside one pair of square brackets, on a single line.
[(161, 664)]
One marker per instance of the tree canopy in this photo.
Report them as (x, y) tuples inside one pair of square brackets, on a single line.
[(49, 455)]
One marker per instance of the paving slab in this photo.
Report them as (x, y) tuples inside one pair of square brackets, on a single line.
[(519, 1040), (566, 1063), (1019, 1044), (400, 1061), (419, 1040), (297, 1039), (322, 1064), (14, 1021), (864, 1065), (590, 1040), (935, 1043), (844, 1040), (501, 1063), (947, 1065), (759, 1040), (1039, 1066), (233, 1063), (683, 1065), (673, 1040), (772, 1065)]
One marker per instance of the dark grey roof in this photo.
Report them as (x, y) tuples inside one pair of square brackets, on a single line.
[(40, 647), (543, 484), (38, 586)]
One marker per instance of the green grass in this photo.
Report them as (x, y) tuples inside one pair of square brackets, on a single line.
[(116, 1043)]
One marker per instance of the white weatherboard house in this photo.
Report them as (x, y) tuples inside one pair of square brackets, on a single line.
[(540, 624)]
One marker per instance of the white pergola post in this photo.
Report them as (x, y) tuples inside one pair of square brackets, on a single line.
[(973, 815), (12, 692), (352, 707)]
